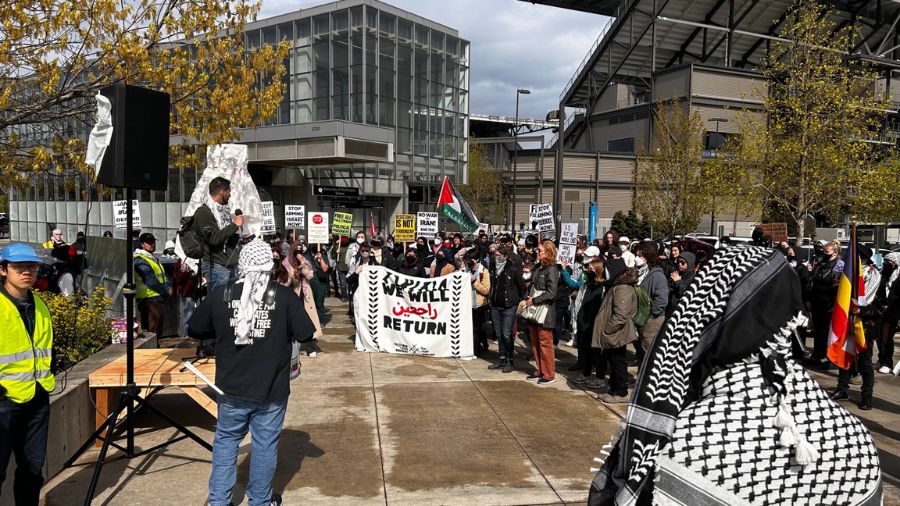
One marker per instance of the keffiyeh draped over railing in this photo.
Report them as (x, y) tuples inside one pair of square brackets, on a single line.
[(743, 301)]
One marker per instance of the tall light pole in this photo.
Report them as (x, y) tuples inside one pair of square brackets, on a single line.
[(712, 219), (512, 219)]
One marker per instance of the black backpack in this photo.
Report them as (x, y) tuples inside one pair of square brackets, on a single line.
[(190, 241)]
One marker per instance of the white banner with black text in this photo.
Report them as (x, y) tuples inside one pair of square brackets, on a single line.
[(414, 316)]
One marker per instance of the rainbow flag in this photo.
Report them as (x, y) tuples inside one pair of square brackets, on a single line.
[(846, 337)]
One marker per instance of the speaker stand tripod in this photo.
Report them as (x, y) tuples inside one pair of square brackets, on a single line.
[(131, 394)]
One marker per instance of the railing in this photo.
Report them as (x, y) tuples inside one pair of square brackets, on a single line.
[(569, 119), (587, 57)]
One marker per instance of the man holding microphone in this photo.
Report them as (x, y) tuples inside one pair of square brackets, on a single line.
[(218, 232)]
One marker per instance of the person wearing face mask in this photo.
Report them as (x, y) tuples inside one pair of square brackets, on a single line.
[(410, 264), (362, 259), (652, 279), (680, 280), (381, 256), (889, 300), (353, 249), (443, 261), (507, 290), (481, 289), (300, 274), (821, 294)]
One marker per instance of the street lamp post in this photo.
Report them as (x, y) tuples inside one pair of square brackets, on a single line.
[(712, 219), (519, 91)]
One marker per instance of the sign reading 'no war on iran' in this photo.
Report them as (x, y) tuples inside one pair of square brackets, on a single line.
[(427, 224), (414, 316)]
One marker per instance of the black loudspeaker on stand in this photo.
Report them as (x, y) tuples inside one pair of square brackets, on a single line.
[(140, 143)]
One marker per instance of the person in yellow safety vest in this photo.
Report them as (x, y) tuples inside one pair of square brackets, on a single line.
[(151, 284), (25, 377), (55, 241)]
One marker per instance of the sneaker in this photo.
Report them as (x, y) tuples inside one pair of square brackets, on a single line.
[(613, 399), (545, 381), (839, 395), (594, 382), (312, 354), (570, 343), (884, 369), (275, 500), (533, 377)]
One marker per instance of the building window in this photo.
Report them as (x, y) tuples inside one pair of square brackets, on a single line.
[(625, 145), (715, 140)]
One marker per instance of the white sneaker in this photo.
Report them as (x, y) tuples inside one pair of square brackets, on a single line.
[(884, 369), (571, 343), (897, 369), (312, 354)]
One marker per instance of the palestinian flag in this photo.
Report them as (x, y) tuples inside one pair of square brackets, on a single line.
[(454, 207)]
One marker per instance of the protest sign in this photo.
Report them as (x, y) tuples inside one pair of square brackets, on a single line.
[(120, 214), (778, 231), (268, 218), (565, 251), (404, 227), (541, 217), (414, 316), (342, 224), (317, 228), (483, 227), (569, 233), (294, 217), (427, 224)]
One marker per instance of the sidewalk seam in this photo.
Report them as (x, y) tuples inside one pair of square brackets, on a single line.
[(508, 430), (378, 431)]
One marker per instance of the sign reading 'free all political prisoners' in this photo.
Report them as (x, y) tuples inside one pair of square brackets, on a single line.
[(414, 316)]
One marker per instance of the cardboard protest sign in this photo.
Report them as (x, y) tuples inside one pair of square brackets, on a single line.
[(566, 251), (414, 316), (404, 227), (120, 214), (342, 224), (317, 228), (294, 217), (268, 218), (569, 233), (778, 231), (427, 224), (541, 217)]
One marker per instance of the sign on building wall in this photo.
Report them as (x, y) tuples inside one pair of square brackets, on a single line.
[(427, 224), (404, 227), (317, 228), (294, 217), (120, 214)]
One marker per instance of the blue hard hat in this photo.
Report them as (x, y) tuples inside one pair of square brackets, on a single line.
[(18, 252)]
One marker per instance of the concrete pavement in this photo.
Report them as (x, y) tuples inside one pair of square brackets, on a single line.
[(376, 429)]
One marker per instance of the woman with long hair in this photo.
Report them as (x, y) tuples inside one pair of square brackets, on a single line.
[(300, 272), (544, 286)]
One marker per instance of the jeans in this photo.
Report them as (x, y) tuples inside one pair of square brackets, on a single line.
[(23, 433), (342, 284), (542, 347), (216, 275), (502, 320), (236, 416)]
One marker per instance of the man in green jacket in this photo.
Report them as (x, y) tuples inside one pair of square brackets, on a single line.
[(218, 231)]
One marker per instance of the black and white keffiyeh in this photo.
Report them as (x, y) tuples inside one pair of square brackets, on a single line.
[(221, 212), (255, 265), (721, 413)]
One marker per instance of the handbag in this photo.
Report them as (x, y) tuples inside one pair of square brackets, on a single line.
[(534, 313)]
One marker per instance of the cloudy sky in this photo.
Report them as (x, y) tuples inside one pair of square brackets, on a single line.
[(514, 45)]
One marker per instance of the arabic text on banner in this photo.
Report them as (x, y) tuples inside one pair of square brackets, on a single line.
[(427, 224), (268, 218), (317, 228), (342, 224), (294, 217), (414, 316), (120, 214), (404, 227)]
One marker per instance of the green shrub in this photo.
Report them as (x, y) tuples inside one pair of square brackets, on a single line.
[(76, 338)]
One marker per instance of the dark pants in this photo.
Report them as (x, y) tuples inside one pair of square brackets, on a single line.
[(589, 357), (502, 320), (821, 320), (863, 365), (334, 281), (318, 290), (152, 315), (23, 433), (618, 371), (561, 312), (479, 337), (886, 343)]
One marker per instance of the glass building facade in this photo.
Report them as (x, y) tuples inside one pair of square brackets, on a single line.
[(377, 76)]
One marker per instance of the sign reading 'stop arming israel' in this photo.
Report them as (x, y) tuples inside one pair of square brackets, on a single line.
[(542, 217), (413, 316), (294, 217)]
